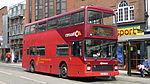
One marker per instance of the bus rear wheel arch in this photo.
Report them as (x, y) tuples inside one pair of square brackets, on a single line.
[(63, 70)]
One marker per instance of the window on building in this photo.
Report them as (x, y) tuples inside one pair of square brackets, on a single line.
[(10, 30), (60, 6), (124, 13), (62, 50), (30, 11), (15, 10), (123, 3), (38, 10), (14, 29), (11, 12), (17, 28), (49, 8), (22, 28), (46, 8), (27, 30), (19, 9)]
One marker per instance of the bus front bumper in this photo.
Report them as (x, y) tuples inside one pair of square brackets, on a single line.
[(98, 73)]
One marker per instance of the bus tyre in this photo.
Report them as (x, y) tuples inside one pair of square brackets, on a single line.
[(32, 68), (63, 70)]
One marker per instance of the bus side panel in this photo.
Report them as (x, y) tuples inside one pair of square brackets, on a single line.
[(24, 58), (50, 62), (75, 66)]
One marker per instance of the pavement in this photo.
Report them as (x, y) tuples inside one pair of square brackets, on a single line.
[(13, 64), (124, 72)]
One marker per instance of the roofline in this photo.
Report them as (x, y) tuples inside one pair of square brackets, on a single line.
[(3, 7)]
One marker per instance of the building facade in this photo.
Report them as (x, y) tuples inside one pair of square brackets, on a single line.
[(16, 27), (39, 9), (131, 18), (3, 11)]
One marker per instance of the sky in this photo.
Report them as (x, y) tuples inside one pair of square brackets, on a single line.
[(9, 3)]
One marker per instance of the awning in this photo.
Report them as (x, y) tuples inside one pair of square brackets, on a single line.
[(132, 38)]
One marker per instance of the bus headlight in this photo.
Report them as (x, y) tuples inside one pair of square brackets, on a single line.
[(88, 67), (116, 67)]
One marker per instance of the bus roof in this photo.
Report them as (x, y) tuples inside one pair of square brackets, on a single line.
[(70, 12)]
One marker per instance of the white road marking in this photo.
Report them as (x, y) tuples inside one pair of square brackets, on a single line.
[(33, 80), (5, 72)]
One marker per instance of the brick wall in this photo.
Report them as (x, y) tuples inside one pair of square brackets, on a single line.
[(3, 11)]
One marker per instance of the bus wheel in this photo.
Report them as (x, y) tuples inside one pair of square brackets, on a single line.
[(63, 70), (32, 68)]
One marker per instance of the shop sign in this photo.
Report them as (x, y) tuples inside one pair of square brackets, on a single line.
[(130, 31)]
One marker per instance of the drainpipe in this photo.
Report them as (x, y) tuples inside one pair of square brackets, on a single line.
[(146, 13)]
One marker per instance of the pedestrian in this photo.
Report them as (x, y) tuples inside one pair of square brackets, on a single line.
[(145, 66), (8, 56), (16, 58)]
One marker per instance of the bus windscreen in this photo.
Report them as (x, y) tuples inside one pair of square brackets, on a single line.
[(100, 48)]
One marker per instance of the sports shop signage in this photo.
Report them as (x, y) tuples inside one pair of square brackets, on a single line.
[(129, 31)]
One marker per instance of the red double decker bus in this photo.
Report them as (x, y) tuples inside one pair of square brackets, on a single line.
[(79, 43)]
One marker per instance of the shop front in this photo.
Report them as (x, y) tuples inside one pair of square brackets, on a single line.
[(132, 46)]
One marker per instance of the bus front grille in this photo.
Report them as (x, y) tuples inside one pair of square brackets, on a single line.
[(102, 68)]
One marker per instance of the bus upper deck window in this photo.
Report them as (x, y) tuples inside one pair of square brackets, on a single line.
[(103, 18), (94, 17), (42, 26), (77, 18), (32, 30)]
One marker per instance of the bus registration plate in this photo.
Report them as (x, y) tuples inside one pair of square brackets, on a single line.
[(103, 73)]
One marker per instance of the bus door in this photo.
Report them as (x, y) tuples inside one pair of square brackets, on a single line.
[(75, 58)]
